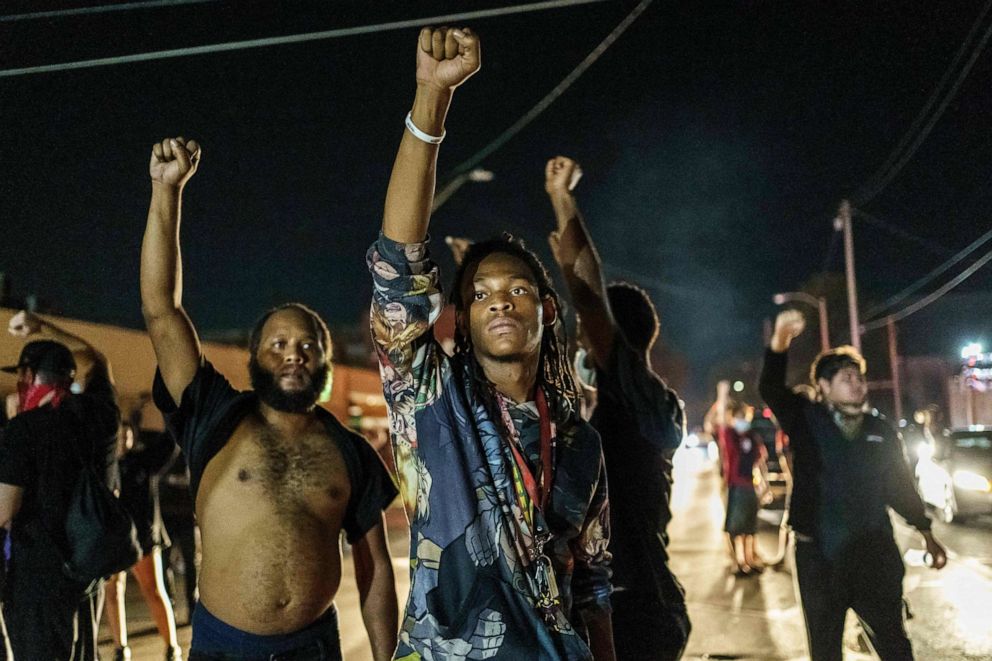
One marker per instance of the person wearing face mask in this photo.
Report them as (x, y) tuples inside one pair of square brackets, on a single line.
[(47, 614), (848, 470), (741, 454)]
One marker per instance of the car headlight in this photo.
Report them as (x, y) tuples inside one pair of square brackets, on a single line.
[(971, 481)]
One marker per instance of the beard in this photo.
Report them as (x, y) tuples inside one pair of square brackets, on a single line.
[(266, 387), (852, 409)]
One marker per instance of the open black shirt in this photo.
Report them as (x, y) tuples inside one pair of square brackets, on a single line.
[(211, 410)]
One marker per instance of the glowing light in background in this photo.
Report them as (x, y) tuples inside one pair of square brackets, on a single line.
[(971, 349)]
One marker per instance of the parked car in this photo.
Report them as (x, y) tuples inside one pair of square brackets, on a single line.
[(763, 426), (955, 474)]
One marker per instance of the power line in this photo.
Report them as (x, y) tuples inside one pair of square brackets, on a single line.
[(927, 300), (929, 277), (293, 38), (100, 9), (894, 163), (558, 90), (895, 230)]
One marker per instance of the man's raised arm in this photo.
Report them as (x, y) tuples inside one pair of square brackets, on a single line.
[(91, 365), (785, 404), (576, 254), (446, 57), (177, 347)]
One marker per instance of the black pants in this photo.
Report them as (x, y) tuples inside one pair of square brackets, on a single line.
[(866, 577), (184, 540), (646, 628), (49, 619)]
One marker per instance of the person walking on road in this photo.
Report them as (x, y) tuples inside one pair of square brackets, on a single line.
[(741, 455), (849, 468)]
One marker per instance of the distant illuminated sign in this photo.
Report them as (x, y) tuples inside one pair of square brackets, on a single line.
[(976, 371)]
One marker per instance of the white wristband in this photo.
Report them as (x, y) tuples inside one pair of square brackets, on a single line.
[(420, 135)]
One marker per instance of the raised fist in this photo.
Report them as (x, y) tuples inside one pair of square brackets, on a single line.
[(447, 57), (561, 175), (174, 161), (459, 246), (23, 324), (789, 324)]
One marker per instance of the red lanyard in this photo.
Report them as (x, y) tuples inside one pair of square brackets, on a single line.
[(539, 493)]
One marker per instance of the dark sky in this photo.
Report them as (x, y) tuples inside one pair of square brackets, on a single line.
[(717, 139)]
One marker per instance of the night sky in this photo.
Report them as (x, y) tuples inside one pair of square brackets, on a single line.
[(717, 139)]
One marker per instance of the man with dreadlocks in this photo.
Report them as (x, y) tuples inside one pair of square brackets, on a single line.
[(503, 483), (641, 422)]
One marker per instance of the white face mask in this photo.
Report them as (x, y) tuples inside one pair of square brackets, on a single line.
[(742, 426), (585, 372)]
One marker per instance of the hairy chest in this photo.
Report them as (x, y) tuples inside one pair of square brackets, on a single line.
[(263, 466)]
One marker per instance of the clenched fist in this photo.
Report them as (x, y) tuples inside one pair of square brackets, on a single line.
[(174, 161), (24, 324), (789, 324), (447, 57), (561, 175), (459, 246)]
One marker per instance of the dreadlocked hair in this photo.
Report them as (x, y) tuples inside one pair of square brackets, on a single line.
[(555, 372)]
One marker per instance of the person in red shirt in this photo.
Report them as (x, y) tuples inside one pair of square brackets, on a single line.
[(740, 454)]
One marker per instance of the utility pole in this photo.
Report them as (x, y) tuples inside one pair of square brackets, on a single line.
[(843, 223), (894, 363), (821, 306)]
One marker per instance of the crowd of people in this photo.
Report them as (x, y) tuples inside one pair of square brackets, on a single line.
[(538, 523)]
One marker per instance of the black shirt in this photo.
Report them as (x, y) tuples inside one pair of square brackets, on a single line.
[(140, 467), (42, 451), (841, 487), (641, 422), (210, 411)]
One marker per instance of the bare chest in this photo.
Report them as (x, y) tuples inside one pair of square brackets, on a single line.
[(304, 471)]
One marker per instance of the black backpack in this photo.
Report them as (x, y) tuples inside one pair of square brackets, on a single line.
[(102, 538)]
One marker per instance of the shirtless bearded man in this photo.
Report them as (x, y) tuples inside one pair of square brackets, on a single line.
[(275, 478)]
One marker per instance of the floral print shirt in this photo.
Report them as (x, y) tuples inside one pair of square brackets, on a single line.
[(473, 594)]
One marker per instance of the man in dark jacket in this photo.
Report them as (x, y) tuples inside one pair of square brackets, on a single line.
[(47, 614), (849, 468)]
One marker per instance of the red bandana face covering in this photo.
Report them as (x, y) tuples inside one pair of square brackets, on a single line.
[(30, 395)]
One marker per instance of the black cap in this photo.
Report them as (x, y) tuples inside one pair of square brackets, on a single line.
[(45, 356)]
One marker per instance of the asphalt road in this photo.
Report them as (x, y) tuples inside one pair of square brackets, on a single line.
[(739, 618)]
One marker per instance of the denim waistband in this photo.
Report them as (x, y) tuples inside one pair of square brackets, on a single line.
[(211, 636)]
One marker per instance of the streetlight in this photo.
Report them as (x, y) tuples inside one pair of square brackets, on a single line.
[(478, 175), (971, 349), (816, 301)]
